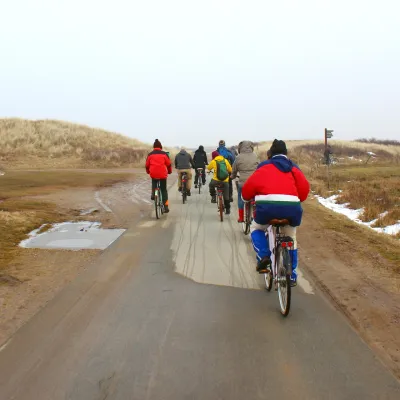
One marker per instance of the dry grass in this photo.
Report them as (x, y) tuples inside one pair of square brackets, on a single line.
[(48, 143), (20, 214)]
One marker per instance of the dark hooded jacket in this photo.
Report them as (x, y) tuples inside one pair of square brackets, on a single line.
[(183, 160), (200, 158), (245, 163)]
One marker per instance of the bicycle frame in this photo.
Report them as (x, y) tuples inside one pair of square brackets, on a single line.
[(200, 172)]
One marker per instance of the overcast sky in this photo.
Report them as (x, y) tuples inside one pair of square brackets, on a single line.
[(191, 72)]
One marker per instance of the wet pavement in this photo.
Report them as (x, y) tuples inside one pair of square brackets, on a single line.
[(73, 236)]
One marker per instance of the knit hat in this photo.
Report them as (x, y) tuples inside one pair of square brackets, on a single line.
[(157, 144), (214, 154), (278, 147), (222, 143)]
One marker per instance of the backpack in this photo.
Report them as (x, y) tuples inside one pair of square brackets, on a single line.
[(222, 170)]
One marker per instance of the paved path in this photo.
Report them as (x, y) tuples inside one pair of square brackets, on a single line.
[(131, 327)]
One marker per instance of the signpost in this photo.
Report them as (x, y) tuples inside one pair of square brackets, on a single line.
[(328, 135)]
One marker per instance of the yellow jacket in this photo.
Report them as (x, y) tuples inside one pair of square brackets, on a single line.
[(213, 166)]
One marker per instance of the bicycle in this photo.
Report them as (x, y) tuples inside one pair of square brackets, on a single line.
[(247, 216), (281, 262), (200, 178), (220, 200), (158, 200), (183, 187)]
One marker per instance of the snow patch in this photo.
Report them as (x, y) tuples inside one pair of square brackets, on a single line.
[(354, 215)]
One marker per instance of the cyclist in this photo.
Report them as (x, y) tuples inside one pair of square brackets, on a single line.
[(200, 161), (184, 163), (228, 155), (278, 186), (222, 169), (245, 164), (158, 166)]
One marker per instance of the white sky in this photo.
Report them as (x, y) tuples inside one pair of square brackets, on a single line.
[(191, 72)]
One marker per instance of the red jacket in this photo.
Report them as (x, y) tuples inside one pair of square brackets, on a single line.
[(158, 164), (275, 181)]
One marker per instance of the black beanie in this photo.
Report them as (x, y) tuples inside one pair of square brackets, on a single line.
[(157, 144), (278, 147)]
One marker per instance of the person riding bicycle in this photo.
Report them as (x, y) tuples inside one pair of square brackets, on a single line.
[(228, 155), (184, 163), (200, 161), (158, 166), (279, 187), (245, 164), (222, 170)]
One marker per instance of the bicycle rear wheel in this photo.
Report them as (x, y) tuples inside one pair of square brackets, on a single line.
[(283, 278), (199, 185), (247, 219), (157, 204), (184, 194), (221, 207)]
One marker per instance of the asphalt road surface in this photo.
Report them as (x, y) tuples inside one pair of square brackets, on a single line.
[(174, 310)]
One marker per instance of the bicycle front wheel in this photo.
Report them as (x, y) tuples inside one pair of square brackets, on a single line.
[(283, 280)]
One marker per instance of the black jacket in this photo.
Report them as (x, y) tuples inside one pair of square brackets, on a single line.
[(200, 158)]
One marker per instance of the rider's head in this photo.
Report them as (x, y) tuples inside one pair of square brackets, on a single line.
[(269, 154), (201, 148), (214, 154), (157, 144), (221, 143), (278, 147)]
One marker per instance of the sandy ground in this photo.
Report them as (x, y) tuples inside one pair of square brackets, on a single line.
[(360, 284)]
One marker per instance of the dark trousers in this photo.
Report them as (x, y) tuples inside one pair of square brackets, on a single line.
[(203, 176), (230, 188), (163, 187), (213, 193)]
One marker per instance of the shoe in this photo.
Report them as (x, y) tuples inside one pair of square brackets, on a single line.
[(213, 199), (195, 186), (188, 193), (241, 216), (166, 209), (227, 211), (152, 197), (264, 265), (179, 189), (293, 282), (231, 199)]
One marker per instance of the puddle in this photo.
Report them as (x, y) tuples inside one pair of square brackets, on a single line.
[(72, 236)]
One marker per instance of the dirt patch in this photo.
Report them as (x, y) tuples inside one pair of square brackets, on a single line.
[(359, 271), (34, 276)]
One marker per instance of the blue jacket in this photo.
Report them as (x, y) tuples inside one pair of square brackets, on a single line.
[(224, 152)]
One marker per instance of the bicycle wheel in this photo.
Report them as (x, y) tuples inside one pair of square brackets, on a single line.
[(157, 204), (283, 278), (199, 186), (221, 207), (184, 194), (247, 219)]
